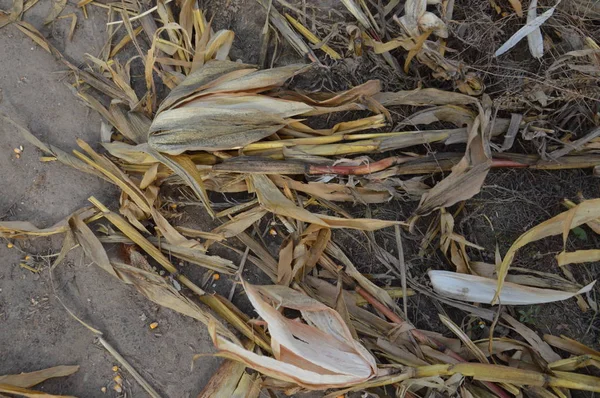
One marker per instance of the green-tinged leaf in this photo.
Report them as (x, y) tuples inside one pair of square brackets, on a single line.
[(580, 233), (15, 13)]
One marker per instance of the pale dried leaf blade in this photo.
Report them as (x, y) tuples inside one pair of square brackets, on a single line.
[(464, 338), (534, 39), (582, 213), (284, 267), (358, 13), (91, 245), (473, 288), (25, 392), (524, 31), (33, 34), (271, 198), (32, 378), (20, 228), (578, 256), (224, 381)]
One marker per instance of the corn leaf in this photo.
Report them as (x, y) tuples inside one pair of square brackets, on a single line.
[(530, 27), (584, 212), (191, 128), (577, 257), (25, 392), (468, 175), (90, 244), (273, 200), (210, 74), (30, 379), (478, 289), (224, 381)]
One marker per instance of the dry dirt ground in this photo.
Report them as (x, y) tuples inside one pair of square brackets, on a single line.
[(35, 330)]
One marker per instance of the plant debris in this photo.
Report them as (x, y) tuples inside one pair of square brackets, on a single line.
[(288, 159)]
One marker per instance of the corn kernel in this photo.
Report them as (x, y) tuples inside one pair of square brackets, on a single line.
[(153, 325), (118, 379), (10, 245), (103, 389), (118, 388), (115, 368), (216, 277)]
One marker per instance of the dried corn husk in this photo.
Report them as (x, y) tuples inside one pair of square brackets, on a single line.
[(318, 355)]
